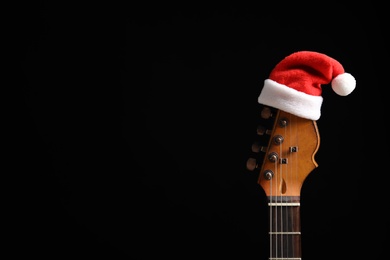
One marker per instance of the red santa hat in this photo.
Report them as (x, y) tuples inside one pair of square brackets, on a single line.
[(294, 85)]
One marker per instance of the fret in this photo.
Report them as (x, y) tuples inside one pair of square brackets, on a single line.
[(285, 258), (284, 233), (292, 204)]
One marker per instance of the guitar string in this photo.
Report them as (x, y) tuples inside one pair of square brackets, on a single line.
[(271, 219), (294, 176), (292, 132), (288, 179), (295, 156), (284, 178), (279, 206), (273, 210), (294, 167), (277, 212), (271, 222), (275, 198), (280, 190), (270, 213)]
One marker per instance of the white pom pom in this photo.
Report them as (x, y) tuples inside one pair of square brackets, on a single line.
[(343, 84)]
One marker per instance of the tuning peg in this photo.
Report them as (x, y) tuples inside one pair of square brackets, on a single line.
[(251, 164), (273, 157), (278, 139), (266, 112), (261, 130), (283, 122), (257, 148)]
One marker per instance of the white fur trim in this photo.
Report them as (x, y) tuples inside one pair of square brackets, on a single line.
[(343, 84), (290, 100)]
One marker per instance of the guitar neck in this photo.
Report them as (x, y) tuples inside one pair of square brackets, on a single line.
[(288, 139), (285, 228), (283, 156)]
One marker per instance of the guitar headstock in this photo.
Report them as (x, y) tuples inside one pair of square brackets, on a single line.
[(283, 152)]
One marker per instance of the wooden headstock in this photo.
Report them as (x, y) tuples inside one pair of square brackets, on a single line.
[(285, 150)]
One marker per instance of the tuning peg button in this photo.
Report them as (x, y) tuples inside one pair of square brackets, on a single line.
[(266, 113), (261, 130), (251, 164), (258, 148)]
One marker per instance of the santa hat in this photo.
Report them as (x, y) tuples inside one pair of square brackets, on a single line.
[(294, 85)]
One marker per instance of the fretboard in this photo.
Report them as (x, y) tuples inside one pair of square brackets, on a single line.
[(284, 228)]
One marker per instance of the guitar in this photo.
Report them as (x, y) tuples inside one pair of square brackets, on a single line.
[(285, 146), (291, 102)]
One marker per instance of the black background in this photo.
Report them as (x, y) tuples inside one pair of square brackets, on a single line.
[(134, 124)]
